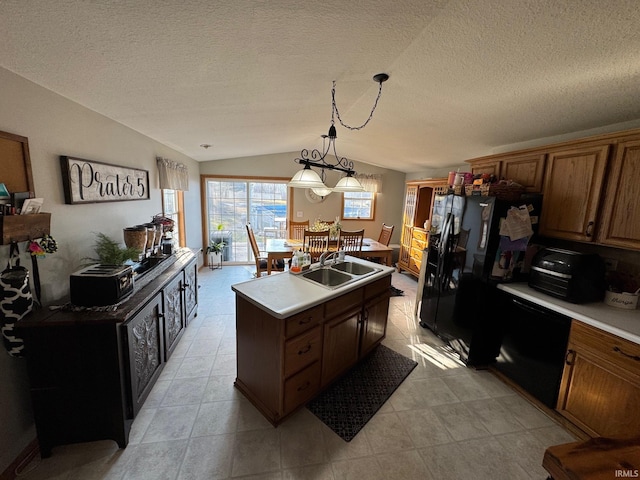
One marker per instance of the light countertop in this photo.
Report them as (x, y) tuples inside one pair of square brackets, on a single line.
[(617, 321), (284, 294)]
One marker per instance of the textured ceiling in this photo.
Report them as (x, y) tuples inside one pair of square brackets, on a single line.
[(254, 77)]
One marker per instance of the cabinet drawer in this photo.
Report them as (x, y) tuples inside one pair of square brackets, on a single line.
[(416, 253), (302, 351), (419, 235), (414, 264), (419, 244), (343, 303), (303, 321), (300, 388), (378, 287), (617, 350)]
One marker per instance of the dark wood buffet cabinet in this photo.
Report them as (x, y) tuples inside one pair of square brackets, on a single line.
[(91, 371)]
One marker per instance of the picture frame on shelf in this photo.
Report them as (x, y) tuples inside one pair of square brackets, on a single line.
[(31, 205)]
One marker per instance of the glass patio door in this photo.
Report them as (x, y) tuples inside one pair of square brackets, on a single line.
[(231, 203)]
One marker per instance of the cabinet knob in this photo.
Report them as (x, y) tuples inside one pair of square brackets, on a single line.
[(570, 357), (589, 231), (304, 350)]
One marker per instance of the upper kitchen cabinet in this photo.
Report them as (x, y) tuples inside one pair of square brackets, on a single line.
[(620, 216), (525, 169), (573, 184)]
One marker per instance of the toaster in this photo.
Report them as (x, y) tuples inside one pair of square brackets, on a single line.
[(100, 285), (572, 276)]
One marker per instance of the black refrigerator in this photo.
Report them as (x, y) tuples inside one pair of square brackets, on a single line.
[(465, 259)]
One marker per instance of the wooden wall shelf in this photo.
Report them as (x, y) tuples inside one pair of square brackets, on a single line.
[(20, 228)]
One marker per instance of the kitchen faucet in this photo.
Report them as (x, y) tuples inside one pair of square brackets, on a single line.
[(331, 255)]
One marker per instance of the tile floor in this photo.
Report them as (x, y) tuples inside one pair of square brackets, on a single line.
[(444, 422)]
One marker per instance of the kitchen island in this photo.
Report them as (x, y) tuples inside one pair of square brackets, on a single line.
[(294, 336)]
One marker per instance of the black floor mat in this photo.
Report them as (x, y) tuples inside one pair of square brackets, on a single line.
[(349, 404)]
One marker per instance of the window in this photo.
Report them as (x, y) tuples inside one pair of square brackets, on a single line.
[(173, 208), (358, 205), (232, 202)]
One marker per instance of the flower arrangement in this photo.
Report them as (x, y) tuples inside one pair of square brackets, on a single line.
[(320, 226)]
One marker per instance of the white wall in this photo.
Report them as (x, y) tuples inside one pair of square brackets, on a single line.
[(56, 126), (388, 205)]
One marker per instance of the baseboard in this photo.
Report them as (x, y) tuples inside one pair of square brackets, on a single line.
[(22, 460)]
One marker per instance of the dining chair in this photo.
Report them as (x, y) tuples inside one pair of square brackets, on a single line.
[(351, 241), (385, 234), (296, 230), (261, 258), (316, 243)]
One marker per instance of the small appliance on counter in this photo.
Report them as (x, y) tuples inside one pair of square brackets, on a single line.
[(100, 285), (572, 276)]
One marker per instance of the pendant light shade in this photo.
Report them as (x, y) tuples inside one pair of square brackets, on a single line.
[(348, 184), (306, 178), (323, 192)]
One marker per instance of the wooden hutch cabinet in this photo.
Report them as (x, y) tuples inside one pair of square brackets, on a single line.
[(90, 371), (418, 207)]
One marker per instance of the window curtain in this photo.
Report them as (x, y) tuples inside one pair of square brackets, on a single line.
[(173, 175), (372, 182)]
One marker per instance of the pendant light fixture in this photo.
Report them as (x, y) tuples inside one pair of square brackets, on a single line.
[(308, 178)]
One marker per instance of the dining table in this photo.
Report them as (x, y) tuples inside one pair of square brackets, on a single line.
[(282, 249)]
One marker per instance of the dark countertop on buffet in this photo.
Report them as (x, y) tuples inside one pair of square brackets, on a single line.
[(617, 321), (51, 315)]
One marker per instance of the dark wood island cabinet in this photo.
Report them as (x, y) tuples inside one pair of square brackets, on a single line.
[(91, 371), (283, 362)]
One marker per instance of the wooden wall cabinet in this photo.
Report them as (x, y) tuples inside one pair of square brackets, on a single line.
[(418, 208), (573, 185), (284, 363), (525, 169), (16, 174), (620, 211), (600, 388), (90, 372), (589, 186)]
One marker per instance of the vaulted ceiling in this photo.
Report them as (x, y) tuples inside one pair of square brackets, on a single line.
[(255, 77)]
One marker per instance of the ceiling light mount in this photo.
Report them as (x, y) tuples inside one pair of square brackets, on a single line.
[(307, 178)]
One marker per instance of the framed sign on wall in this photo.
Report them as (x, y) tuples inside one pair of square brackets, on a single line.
[(88, 181)]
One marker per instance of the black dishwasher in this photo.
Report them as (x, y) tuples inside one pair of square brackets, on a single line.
[(534, 344)]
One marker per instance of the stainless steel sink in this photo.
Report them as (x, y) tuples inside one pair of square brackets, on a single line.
[(327, 277), (353, 268)]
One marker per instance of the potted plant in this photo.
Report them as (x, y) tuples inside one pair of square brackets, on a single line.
[(110, 252), (214, 251)]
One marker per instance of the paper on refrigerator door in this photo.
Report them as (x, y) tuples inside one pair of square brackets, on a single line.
[(517, 225)]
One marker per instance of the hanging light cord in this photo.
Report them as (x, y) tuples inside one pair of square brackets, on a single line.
[(337, 113)]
